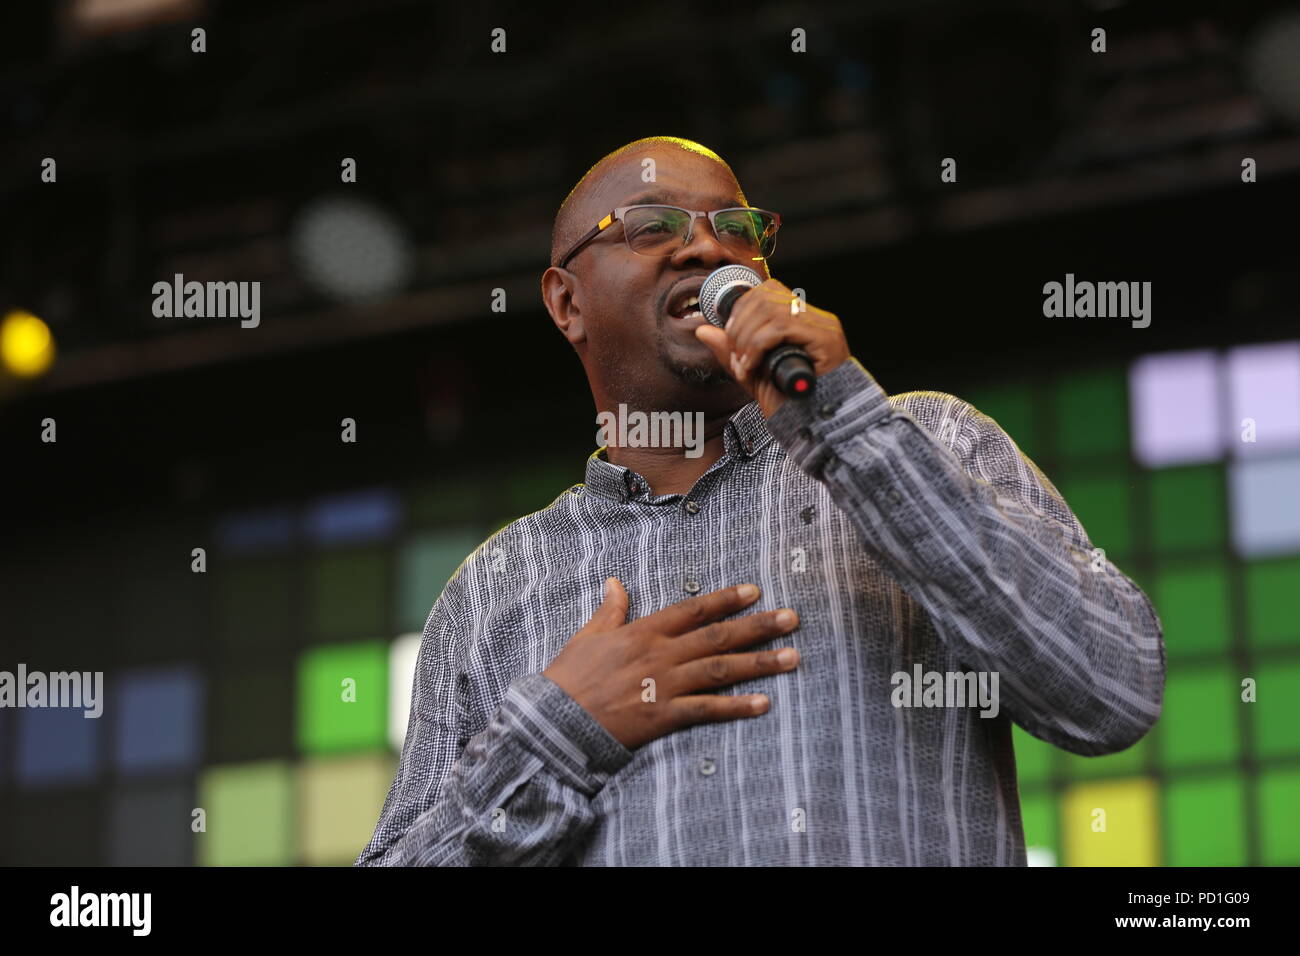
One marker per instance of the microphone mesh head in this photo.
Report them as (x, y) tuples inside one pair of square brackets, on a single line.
[(719, 281)]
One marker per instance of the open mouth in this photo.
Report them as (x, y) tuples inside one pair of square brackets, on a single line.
[(684, 303), (690, 309)]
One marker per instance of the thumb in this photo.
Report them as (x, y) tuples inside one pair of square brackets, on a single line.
[(717, 341), (613, 608)]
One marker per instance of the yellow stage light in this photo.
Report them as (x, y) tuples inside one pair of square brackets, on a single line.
[(26, 345)]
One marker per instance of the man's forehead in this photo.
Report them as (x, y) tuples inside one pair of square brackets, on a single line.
[(674, 198), (680, 178)]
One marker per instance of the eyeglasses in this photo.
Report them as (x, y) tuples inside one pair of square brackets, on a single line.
[(652, 230)]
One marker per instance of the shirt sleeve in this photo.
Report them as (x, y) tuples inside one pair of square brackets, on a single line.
[(976, 534), (516, 793)]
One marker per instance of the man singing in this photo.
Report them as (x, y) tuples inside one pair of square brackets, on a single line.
[(719, 659)]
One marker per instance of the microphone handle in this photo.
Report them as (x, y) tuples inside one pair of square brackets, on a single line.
[(791, 371), (788, 366)]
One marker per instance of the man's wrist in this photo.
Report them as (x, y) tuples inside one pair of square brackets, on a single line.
[(845, 397)]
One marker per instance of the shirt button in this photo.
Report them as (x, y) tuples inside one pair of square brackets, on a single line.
[(692, 587), (894, 497), (692, 508), (826, 411), (707, 767)]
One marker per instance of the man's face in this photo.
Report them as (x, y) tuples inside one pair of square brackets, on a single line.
[(633, 306)]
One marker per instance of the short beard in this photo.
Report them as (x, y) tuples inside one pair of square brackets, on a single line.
[(702, 374), (695, 375)]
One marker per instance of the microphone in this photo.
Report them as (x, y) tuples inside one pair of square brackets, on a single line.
[(788, 366)]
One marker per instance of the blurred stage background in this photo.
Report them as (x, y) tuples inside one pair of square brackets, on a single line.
[(324, 558)]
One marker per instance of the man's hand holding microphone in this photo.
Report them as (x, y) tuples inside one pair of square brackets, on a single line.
[(762, 321)]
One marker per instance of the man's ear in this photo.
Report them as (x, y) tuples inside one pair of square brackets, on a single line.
[(560, 296)]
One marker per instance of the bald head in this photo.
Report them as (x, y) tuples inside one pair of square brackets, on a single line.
[(616, 307), (587, 201)]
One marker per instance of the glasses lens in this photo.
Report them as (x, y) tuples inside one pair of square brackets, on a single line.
[(655, 230), (752, 232)]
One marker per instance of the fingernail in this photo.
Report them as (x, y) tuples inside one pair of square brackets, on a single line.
[(787, 656), (748, 590), (785, 618), (759, 702)]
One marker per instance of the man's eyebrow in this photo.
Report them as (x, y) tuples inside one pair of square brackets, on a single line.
[(658, 199)]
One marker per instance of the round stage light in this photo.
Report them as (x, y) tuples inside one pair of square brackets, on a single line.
[(351, 249), (26, 345)]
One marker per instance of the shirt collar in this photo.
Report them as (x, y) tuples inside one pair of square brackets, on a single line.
[(744, 436)]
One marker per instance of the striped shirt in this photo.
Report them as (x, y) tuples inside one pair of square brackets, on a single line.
[(911, 535)]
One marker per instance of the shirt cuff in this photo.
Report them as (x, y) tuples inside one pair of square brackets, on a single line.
[(844, 401), (563, 733)]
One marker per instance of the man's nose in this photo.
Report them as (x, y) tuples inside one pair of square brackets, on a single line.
[(703, 245)]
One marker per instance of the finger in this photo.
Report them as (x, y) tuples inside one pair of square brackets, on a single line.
[(717, 341), (729, 635), (720, 345), (723, 669), (704, 709), (757, 300), (765, 339), (762, 325), (686, 616), (818, 317), (613, 607), (759, 340), (737, 372), (745, 336)]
